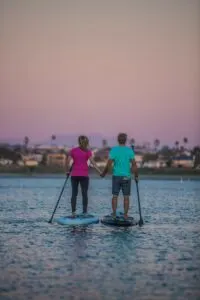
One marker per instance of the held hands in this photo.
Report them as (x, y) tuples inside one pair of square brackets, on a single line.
[(102, 174)]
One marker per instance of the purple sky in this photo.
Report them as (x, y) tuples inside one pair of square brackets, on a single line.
[(100, 66)]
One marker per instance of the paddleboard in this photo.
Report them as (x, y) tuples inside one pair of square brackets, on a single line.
[(118, 221), (81, 219)]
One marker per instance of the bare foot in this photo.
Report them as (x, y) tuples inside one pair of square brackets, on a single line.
[(125, 216)]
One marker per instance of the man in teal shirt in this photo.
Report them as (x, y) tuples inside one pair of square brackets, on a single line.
[(123, 160)]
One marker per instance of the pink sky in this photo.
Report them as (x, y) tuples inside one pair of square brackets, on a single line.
[(100, 66)]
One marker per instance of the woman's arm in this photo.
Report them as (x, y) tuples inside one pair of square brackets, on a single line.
[(95, 165), (107, 167)]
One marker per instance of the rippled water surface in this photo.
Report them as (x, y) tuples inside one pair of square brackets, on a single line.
[(160, 261)]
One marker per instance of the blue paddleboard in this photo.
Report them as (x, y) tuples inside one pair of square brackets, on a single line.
[(81, 219)]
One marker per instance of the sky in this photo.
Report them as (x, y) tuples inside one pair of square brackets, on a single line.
[(74, 66)]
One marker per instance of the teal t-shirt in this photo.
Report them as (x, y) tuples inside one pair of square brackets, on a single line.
[(121, 156)]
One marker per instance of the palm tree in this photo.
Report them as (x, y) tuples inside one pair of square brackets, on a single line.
[(132, 142), (182, 149), (177, 144), (53, 138), (104, 143), (156, 143), (26, 142), (185, 141)]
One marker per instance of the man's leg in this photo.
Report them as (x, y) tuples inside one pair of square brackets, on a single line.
[(115, 192), (126, 206), (74, 183), (84, 182), (114, 205), (126, 189)]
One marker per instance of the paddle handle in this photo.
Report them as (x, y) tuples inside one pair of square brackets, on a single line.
[(60, 194)]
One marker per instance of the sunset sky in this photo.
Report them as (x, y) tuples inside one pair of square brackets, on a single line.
[(80, 66)]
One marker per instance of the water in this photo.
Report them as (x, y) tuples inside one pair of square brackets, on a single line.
[(41, 261)]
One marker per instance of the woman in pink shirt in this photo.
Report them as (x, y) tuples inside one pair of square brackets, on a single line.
[(80, 172)]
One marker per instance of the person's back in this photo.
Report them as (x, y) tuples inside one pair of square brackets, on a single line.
[(80, 158), (80, 172), (121, 156), (123, 160)]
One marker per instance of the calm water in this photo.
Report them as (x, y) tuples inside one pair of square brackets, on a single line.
[(41, 261)]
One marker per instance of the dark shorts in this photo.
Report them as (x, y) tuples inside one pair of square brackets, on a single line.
[(121, 183)]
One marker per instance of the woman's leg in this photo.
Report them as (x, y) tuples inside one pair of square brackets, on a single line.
[(74, 183), (84, 182)]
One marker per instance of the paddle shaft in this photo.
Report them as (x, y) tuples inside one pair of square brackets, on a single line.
[(60, 196), (138, 196)]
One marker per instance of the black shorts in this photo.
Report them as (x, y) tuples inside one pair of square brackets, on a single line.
[(121, 183)]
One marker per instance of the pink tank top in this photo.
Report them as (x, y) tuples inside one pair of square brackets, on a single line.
[(80, 159)]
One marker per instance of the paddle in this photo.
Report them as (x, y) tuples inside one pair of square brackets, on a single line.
[(50, 221), (138, 196)]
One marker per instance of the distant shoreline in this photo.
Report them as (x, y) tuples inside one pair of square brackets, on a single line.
[(108, 177), (157, 174)]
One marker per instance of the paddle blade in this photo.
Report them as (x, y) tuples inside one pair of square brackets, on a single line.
[(141, 222)]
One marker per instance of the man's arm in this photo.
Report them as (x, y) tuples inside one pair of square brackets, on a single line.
[(107, 167), (94, 165), (134, 168)]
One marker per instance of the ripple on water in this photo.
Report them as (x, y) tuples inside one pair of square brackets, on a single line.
[(41, 261)]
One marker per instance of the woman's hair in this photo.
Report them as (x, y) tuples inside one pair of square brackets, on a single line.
[(83, 141), (122, 138)]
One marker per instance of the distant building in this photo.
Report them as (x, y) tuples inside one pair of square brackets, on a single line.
[(30, 163), (102, 154), (184, 161), (50, 148), (36, 157), (20, 163), (154, 164), (139, 159), (57, 159), (5, 162)]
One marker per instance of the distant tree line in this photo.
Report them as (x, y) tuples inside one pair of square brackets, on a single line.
[(16, 152)]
